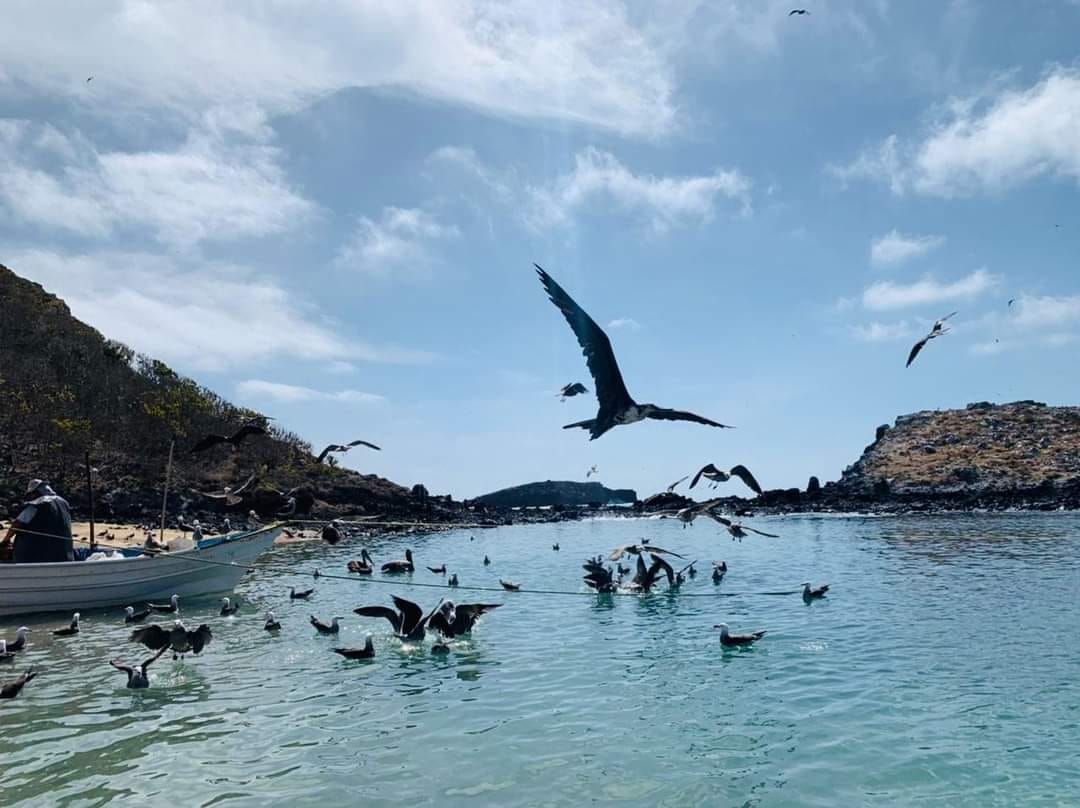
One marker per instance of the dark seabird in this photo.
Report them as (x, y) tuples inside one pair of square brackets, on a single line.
[(365, 566), (616, 407), (799, 11), (938, 330), (331, 534), (510, 586), (555, 547), (340, 448), (814, 593), (228, 608), (132, 616), (16, 645), (599, 577), (1011, 301), (592, 470), (692, 570), (366, 652), (671, 487), (408, 619), (646, 578), (717, 574), (737, 530), (10, 690), (235, 439), (439, 647), (230, 496), (572, 389), (400, 565), (300, 595), (136, 677), (711, 472), (72, 628), (486, 560), (323, 628), (455, 620), (638, 549), (5, 655), (271, 624), (728, 639), (438, 570), (453, 581), (89, 79), (178, 638), (688, 514), (170, 608), (622, 570)]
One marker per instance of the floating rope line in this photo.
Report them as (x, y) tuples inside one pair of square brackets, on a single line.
[(317, 574)]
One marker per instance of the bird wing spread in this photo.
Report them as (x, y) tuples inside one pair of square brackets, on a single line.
[(381, 611), (243, 487), (199, 638), (611, 392), (665, 414), (709, 469), (207, 442), (245, 430), (671, 487), (918, 346), (760, 532), (743, 473), (365, 443), (153, 636), (652, 548), (411, 614)]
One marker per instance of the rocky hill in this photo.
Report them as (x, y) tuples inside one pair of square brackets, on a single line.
[(983, 449), (67, 391), (563, 493)]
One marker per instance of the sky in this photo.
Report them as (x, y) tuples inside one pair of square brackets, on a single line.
[(329, 212)]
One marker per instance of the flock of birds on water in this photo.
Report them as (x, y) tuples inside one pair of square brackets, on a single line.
[(410, 623)]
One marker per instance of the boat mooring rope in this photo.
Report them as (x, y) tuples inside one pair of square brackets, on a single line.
[(317, 574)]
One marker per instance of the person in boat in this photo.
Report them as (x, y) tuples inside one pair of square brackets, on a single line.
[(42, 530)]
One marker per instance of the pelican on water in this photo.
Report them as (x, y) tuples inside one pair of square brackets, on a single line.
[(616, 405)]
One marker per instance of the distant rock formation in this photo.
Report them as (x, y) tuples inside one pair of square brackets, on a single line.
[(554, 492), (982, 449)]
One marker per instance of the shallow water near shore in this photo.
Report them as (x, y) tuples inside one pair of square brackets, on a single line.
[(943, 668)]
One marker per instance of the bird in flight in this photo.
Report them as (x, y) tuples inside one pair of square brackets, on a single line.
[(616, 405), (592, 470), (231, 496), (737, 530), (799, 11), (671, 487), (638, 549), (344, 447), (236, 438), (571, 390), (711, 472), (90, 79), (938, 330)]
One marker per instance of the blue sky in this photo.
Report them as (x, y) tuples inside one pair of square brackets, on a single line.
[(330, 214)]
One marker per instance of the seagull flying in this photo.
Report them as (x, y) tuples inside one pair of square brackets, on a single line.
[(571, 390), (592, 470), (938, 330), (671, 487), (737, 530), (711, 472), (638, 549), (799, 11), (231, 496), (616, 405), (339, 448)]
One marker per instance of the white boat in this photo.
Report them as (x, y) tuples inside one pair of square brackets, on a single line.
[(216, 565)]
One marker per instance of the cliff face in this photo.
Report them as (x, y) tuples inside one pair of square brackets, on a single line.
[(66, 390), (983, 449), (556, 493)]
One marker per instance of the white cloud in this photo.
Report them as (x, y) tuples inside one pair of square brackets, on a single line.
[(598, 177), (883, 332), (895, 248), (1045, 311), (985, 145), (586, 62), (885, 295), (398, 242), (291, 393), (625, 322), (207, 316), (340, 367), (213, 186)]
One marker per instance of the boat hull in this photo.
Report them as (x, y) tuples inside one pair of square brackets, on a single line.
[(85, 585)]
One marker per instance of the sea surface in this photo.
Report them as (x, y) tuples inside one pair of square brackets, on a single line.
[(942, 669)]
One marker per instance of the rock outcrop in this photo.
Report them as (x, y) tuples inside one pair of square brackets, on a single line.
[(557, 493)]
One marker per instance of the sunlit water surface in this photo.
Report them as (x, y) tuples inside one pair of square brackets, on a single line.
[(944, 668)]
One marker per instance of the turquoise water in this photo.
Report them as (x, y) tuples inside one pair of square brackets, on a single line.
[(944, 668)]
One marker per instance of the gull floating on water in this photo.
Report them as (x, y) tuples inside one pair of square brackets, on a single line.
[(441, 570), (72, 628), (16, 645), (711, 472), (323, 628), (5, 655), (510, 586), (809, 593), (303, 594), (229, 608), (271, 624), (136, 676), (453, 581), (172, 606), (132, 616), (616, 407), (729, 639), (938, 330)]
